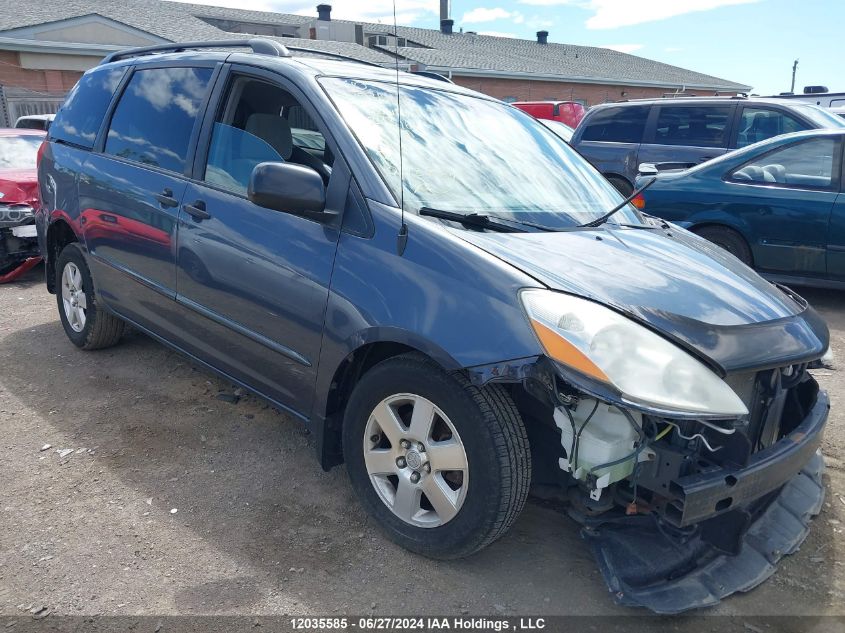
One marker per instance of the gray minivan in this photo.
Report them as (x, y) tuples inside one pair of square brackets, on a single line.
[(455, 315), (617, 137)]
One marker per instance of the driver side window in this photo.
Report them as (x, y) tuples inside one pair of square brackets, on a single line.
[(252, 128), (808, 164)]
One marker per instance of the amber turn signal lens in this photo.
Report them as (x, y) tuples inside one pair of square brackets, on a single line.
[(565, 352), (639, 201)]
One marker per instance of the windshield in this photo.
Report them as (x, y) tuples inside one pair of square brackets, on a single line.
[(468, 154), (19, 152), (820, 116)]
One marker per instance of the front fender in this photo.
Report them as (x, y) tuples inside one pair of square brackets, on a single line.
[(443, 297)]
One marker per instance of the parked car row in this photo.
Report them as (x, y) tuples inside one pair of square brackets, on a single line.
[(617, 137), (775, 205), (453, 325)]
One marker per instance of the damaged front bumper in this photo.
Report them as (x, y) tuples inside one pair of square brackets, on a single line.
[(723, 530), (18, 250), (669, 573)]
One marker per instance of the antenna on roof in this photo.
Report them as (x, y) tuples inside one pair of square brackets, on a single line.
[(402, 238)]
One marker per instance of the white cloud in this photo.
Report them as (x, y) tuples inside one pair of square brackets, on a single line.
[(482, 14), (498, 34), (623, 48), (611, 14)]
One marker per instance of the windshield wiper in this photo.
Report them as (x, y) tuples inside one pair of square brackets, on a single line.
[(604, 218), (484, 221)]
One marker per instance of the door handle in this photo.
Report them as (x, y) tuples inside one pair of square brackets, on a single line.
[(196, 210), (166, 199)]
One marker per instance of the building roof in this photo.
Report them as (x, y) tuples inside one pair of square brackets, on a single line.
[(459, 53)]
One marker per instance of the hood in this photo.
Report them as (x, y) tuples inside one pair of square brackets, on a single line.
[(676, 282), (18, 186)]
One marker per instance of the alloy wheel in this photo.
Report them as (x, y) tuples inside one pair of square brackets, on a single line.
[(73, 297), (416, 460)]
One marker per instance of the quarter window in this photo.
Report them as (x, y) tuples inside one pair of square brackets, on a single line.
[(620, 125), (805, 165), (155, 116), (693, 126), (758, 124), (80, 117)]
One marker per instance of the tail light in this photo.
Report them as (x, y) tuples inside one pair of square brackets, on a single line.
[(639, 201)]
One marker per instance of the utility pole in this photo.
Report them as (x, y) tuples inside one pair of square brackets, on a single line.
[(794, 68)]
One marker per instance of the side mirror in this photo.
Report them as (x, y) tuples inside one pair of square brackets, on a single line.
[(647, 169), (289, 188)]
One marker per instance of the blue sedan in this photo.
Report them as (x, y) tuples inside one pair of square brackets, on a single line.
[(776, 205)]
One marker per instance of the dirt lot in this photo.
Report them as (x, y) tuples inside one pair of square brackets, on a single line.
[(174, 501)]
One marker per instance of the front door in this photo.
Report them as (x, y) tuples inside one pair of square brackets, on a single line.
[(785, 199), (131, 190), (254, 282)]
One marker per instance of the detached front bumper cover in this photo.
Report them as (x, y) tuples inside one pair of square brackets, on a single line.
[(669, 572)]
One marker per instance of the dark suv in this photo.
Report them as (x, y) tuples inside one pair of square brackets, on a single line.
[(455, 316), (617, 137)]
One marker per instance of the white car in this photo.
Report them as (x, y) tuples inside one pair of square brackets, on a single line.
[(35, 121)]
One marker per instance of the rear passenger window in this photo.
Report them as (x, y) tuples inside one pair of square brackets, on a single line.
[(620, 125), (693, 126), (805, 165), (758, 124), (154, 119), (81, 115)]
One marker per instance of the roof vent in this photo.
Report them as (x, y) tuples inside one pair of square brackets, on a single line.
[(324, 12), (542, 37), (446, 26)]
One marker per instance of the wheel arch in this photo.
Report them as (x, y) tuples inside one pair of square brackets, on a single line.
[(706, 224), (60, 233), (369, 349), (609, 175)]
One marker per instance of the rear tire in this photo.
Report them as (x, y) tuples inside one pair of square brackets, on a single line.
[(475, 447), (729, 240), (622, 186), (86, 324)]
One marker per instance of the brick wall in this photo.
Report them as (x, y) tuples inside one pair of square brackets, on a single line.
[(48, 81), (532, 90)]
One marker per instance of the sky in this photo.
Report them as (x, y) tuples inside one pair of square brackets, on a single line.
[(753, 42)]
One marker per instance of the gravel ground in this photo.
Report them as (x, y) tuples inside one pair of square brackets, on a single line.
[(157, 497)]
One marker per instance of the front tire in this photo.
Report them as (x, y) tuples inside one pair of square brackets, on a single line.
[(86, 324), (443, 466)]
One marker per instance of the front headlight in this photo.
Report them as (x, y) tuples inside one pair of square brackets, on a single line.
[(14, 214), (607, 347)]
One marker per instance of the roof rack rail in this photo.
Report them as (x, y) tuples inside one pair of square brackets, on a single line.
[(317, 51), (258, 45)]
